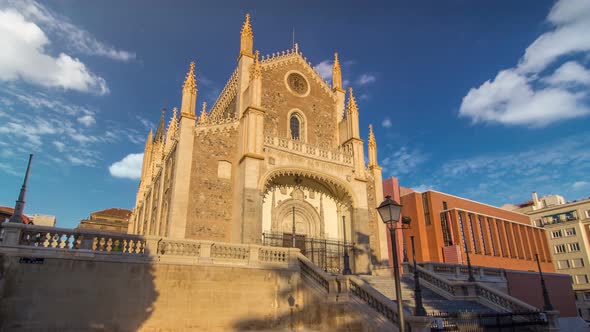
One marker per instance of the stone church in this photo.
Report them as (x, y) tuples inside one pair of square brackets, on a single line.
[(279, 153)]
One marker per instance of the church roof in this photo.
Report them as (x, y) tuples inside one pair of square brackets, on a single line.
[(8, 211), (113, 212)]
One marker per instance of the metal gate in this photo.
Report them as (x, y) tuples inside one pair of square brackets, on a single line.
[(480, 322), (328, 254)]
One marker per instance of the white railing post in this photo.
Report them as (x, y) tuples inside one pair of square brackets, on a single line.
[(205, 252), (253, 255)]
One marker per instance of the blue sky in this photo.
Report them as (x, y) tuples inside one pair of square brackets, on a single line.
[(483, 99)]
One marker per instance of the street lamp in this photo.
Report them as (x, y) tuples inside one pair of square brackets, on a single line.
[(471, 278), (390, 213), (346, 269), (548, 306)]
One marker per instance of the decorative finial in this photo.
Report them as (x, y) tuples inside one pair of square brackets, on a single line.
[(203, 116), (372, 142), (190, 85), (256, 70), (160, 130), (296, 48), (246, 37), (336, 74), (352, 106)]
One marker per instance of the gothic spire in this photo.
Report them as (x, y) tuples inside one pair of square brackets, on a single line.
[(203, 116), (246, 38), (352, 107), (172, 126), (189, 93), (336, 74), (19, 207), (160, 130), (372, 148)]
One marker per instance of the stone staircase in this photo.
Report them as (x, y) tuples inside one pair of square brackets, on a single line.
[(433, 302)]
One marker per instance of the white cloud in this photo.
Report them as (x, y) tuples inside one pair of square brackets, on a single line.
[(324, 68), (366, 79), (403, 161), (24, 57), (87, 120), (569, 73), (128, 167), (511, 99), (571, 19), (580, 184), (517, 96), (386, 123), (59, 146), (76, 38), (422, 187)]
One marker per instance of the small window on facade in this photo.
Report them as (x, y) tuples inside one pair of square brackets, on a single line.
[(295, 126), (570, 231), (586, 296), (556, 234), (577, 262), (560, 248), (445, 207), (426, 210), (580, 279), (574, 246), (563, 264)]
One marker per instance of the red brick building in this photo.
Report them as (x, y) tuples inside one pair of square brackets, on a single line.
[(445, 226)]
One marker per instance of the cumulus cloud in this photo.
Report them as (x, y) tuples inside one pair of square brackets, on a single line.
[(526, 94), (365, 79), (76, 38), (386, 123), (324, 68), (24, 57), (403, 161), (580, 185), (87, 120), (129, 167), (422, 187)]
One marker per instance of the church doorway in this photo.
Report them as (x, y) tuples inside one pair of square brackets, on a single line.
[(317, 213)]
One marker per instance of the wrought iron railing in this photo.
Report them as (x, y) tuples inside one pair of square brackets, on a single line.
[(476, 322), (328, 254)]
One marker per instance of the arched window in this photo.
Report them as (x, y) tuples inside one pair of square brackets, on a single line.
[(295, 126)]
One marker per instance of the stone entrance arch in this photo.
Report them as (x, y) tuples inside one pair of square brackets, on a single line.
[(308, 221)]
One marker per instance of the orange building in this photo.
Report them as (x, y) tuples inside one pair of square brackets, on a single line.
[(444, 226)]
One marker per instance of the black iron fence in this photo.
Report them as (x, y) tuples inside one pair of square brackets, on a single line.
[(328, 254), (476, 322)]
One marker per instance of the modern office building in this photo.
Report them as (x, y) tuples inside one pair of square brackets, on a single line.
[(447, 228)]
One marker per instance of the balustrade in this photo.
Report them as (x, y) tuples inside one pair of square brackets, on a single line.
[(308, 149)]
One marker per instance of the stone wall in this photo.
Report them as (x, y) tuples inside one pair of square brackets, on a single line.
[(210, 198), (81, 295), (318, 107)]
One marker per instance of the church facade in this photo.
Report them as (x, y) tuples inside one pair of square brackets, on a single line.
[(279, 153)]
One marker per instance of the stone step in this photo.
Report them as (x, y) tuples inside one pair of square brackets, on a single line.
[(432, 301)]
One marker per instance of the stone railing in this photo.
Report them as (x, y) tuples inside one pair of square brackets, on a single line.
[(305, 149), (458, 271), (42, 237), (470, 290), (56, 242), (313, 272), (374, 299)]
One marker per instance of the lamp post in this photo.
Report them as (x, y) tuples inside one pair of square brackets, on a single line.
[(548, 306), (390, 213), (419, 307), (346, 269)]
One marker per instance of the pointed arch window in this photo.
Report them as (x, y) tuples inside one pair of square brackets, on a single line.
[(295, 126)]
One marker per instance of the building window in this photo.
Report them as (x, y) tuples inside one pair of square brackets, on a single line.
[(483, 242), (563, 264), (586, 296), (587, 213), (560, 248), (445, 228), (574, 246), (445, 207), (556, 234), (426, 210), (462, 232), (472, 231), (570, 231), (295, 126), (577, 262), (500, 236), (580, 279), (492, 237)]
